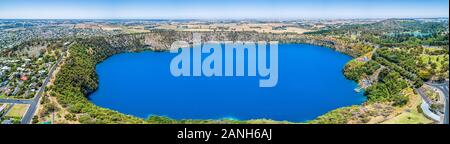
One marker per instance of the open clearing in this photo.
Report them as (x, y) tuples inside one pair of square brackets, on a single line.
[(410, 115), (18, 110)]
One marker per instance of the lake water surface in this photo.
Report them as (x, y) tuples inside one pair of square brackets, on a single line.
[(310, 84)]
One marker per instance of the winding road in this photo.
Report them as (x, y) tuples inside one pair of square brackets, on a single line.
[(425, 106), (444, 88)]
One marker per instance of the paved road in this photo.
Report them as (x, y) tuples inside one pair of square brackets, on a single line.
[(424, 96), (426, 102), (34, 102), (446, 106), (444, 88), (15, 101)]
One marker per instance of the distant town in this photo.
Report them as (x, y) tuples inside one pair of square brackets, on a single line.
[(15, 32)]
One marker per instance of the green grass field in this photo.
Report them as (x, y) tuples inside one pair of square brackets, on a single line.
[(18, 110), (411, 116)]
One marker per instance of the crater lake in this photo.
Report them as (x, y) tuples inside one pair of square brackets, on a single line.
[(310, 84)]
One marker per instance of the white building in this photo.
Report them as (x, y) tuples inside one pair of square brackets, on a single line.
[(6, 68)]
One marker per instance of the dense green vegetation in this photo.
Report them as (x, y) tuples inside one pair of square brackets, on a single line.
[(338, 116), (409, 52), (354, 70), (388, 89), (404, 52), (76, 80), (395, 32)]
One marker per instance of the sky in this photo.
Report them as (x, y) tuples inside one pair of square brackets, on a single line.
[(221, 9)]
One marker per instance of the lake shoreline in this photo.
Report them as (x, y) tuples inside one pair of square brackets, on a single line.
[(250, 120)]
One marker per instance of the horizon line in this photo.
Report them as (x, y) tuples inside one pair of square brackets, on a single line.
[(437, 17)]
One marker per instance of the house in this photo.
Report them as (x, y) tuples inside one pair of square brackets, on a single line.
[(4, 83), (363, 59), (27, 60), (26, 93), (6, 90), (7, 122), (12, 61), (42, 72), (2, 107), (33, 85), (20, 69), (48, 65), (6, 68), (23, 78), (16, 90)]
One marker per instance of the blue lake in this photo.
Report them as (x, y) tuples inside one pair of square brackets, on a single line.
[(310, 84)]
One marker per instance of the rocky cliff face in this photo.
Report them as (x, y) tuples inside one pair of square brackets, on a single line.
[(161, 40)]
